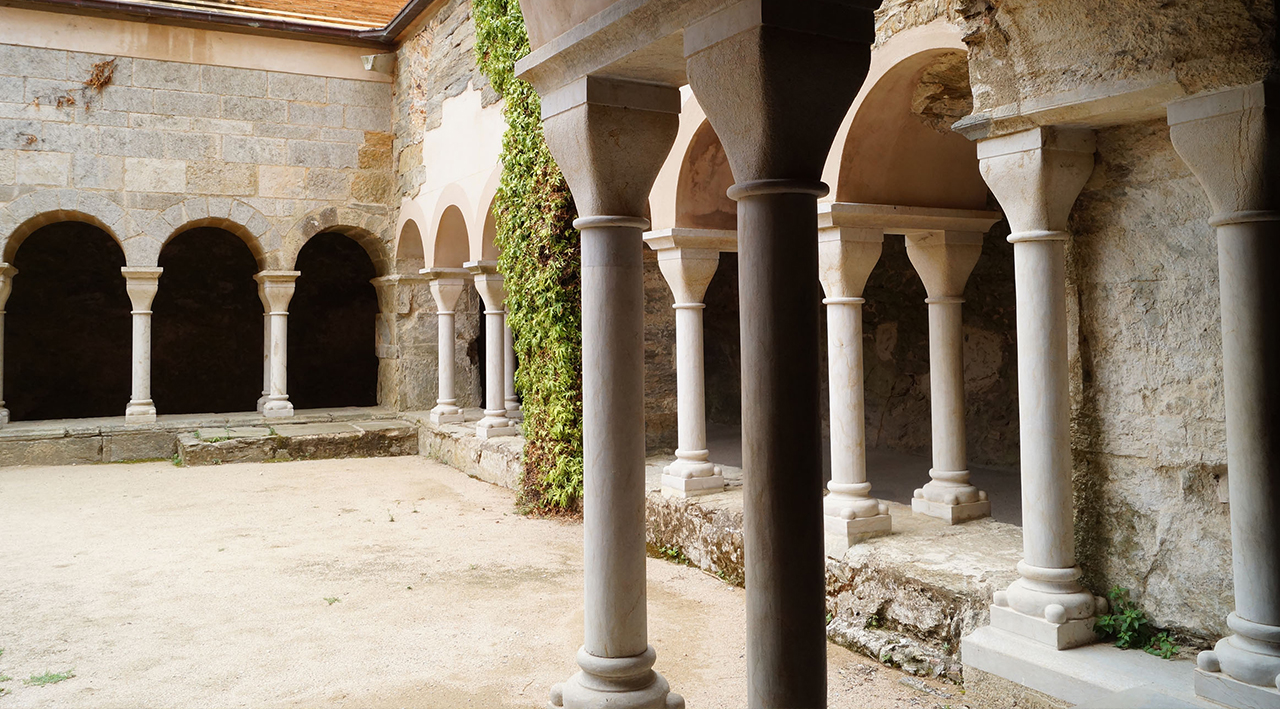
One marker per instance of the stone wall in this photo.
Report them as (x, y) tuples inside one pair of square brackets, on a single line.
[(1149, 433)]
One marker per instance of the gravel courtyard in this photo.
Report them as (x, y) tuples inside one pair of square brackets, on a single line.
[(393, 582)]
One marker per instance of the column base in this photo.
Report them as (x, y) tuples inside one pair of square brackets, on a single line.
[(496, 425), (843, 533), (1060, 636), (615, 683), (140, 412), (277, 408), (447, 414), (1222, 688), (262, 401), (514, 412), (951, 514), (676, 486), (4, 416)]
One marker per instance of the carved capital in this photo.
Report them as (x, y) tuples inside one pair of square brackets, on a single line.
[(275, 288), (446, 286), (141, 284), (1036, 175), (944, 260)]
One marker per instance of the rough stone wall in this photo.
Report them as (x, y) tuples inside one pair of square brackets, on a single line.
[(437, 63), (660, 430), (1149, 434)]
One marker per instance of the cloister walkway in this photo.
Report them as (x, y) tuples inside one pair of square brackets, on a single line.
[(393, 582)]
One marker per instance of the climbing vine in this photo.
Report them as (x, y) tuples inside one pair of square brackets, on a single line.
[(539, 261)]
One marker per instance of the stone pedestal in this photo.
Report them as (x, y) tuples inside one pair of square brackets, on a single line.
[(7, 273), (688, 260), (751, 67), (1036, 175), (512, 400), (1228, 140), (846, 256), (610, 138), (489, 283), (142, 284), (276, 290), (447, 285), (944, 260)]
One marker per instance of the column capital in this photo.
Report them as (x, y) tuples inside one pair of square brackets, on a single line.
[(275, 288), (688, 258), (446, 286), (489, 282), (1223, 137), (7, 273), (141, 284), (944, 260), (846, 257), (1036, 175), (610, 138)]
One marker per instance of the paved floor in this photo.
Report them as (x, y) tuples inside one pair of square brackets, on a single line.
[(894, 476), (391, 582)]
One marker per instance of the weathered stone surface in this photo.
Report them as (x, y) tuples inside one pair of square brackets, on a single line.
[(494, 460), (118, 447), (983, 690), (301, 441), (706, 529), (659, 359), (68, 450)]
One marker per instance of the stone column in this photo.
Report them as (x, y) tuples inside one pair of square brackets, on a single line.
[(944, 260), (1228, 140), (276, 290), (752, 68), (7, 273), (447, 285), (266, 350), (513, 402), (846, 256), (142, 284), (688, 259), (610, 137), (489, 282), (1037, 175)]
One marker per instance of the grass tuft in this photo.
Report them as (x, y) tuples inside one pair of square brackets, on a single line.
[(49, 678)]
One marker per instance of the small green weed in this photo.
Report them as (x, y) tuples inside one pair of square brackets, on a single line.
[(674, 554), (390, 517), (1130, 628), (332, 600), (5, 678), (49, 678), (177, 460), (830, 618)]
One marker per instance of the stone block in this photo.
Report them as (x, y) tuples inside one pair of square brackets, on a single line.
[(244, 108), (70, 138), (327, 184), (46, 92), (177, 76), (1059, 636), (41, 168), (183, 103), (1139, 698), (285, 130), (252, 149), (951, 514), (316, 154), (190, 146), (33, 62), (281, 181), (351, 92), (97, 117), (341, 135), (221, 126), (368, 118), (983, 690), (840, 534), (11, 88), (315, 114), (118, 447), (68, 450), (20, 134), (155, 175), (8, 167), (675, 486), (153, 121), (372, 187), (127, 98), (1218, 687), (221, 178), (131, 143), (230, 81), (297, 87)]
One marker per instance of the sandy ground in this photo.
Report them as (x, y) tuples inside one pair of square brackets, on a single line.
[(213, 587)]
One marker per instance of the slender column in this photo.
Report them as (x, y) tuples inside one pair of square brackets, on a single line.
[(142, 284), (846, 256), (752, 68), (447, 285), (7, 273), (1037, 175), (266, 351), (1228, 140), (688, 259), (276, 289), (489, 282), (944, 260), (512, 401), (610, 138)]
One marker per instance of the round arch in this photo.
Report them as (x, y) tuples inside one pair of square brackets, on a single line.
[(705, 177), (486, 221), (24, 216), (358, 226), (411, 225), (449, 245)]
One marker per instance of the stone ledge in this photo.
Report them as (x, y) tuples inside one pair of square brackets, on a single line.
[(297, 441), (499, 461)]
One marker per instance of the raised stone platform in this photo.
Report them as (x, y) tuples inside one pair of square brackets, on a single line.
[(111, 440), (297, 441)]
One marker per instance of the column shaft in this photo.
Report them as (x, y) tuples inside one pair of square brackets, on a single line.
[(512, 401), (495, 358), (4, 412), (946, 384), (445, 335), (691, 408), (266, 358), (783, 532), (279, 355)]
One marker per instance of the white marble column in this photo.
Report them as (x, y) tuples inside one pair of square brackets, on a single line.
[(142, 284), (688, 259), (513, 402), (1228, 139), (944, 259), (266, 351), (610, 137), (7, 273), (447, 285), (1037, 175), (276, 290), (489, 283), (846, 256)]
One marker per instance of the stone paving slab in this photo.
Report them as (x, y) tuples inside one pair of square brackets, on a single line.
[(314, 429)]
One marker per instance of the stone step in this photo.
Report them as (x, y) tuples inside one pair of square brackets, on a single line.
[(297, 441)]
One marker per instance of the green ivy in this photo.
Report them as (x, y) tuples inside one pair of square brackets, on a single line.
[(1128, 626), (540, 262)]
